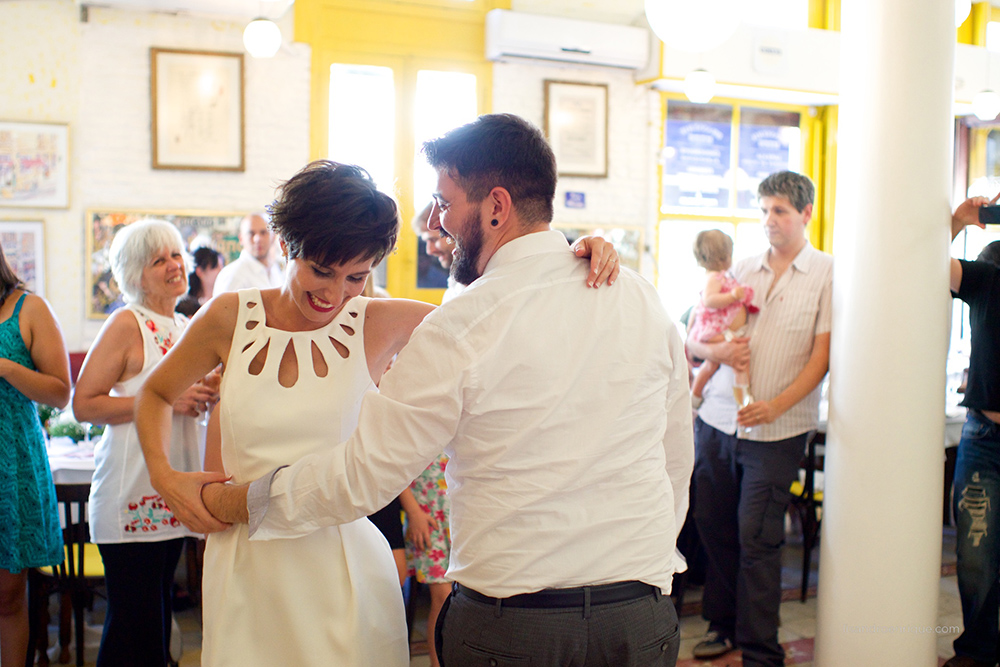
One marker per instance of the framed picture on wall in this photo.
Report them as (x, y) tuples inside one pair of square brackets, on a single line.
[(576, 123), (197, 108), (34, 165), (216, 230), (24, 247), (628, 241)]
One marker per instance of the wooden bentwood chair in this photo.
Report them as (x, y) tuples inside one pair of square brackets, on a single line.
[(76, 579)]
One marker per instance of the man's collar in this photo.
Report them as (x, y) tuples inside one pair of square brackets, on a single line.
[(802, 262), (533, 243)]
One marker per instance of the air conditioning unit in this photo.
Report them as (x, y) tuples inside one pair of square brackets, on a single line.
[(521, 35)]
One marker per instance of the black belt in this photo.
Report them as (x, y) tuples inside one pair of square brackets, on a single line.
[(557, 598)]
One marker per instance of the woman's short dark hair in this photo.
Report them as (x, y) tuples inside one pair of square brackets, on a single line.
[(331, 213), (8, 279), (500, 150)]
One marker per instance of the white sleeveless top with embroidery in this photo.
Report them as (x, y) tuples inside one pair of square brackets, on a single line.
[(123, 506)]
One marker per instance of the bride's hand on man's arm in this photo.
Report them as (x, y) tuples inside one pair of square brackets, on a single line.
[(182, 492), (604, 260), (226, 502)]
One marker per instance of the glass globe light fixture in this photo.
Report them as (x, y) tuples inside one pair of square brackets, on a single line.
[(986, 105), (699, 86), (962, 10), (262, 38), (694, 25)]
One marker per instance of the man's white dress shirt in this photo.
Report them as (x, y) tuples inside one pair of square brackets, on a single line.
[(564, 411), (454, 289), (246, 272), (797, 309)]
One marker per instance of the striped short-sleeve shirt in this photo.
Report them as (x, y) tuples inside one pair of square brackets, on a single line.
[(792, 313)]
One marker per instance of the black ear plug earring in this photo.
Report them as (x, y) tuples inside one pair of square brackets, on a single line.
[(494, 222)]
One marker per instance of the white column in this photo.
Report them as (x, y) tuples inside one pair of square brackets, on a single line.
[(881, 545)]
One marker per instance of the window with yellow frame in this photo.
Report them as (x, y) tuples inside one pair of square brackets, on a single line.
[(713, 158), (405, 47)]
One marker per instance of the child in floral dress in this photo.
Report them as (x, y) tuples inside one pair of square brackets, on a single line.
[(722, 311), (428, 539)]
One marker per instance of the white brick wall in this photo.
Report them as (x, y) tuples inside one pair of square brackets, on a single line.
[(95, 77), (628, 196)]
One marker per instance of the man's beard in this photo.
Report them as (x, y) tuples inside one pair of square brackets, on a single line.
[(463, 269)]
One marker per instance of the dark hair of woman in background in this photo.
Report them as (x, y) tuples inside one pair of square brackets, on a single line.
[(201, 281)]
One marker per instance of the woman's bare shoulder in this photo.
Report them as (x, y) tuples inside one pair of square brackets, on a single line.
[(388, 312), (221, 309), (34, 305), (121, 326)]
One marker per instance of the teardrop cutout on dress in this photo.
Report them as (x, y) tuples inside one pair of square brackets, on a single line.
[(352, 313), (251, 304), (349, 330), (257, 363), (341, 348), (288, 369), (247, 346), (252, 324), (319, 363)]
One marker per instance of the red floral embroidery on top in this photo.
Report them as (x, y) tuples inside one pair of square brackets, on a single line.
[(163, 340), (149, 515)]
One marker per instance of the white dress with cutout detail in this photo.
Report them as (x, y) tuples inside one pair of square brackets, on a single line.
[(331, 597)]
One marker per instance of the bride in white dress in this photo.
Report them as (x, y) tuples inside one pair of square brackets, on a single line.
[(298, 360)]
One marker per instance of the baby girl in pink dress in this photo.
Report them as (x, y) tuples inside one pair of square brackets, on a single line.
[(722, 311)]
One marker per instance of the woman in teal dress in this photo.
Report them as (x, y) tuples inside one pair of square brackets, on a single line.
[(33, 367)]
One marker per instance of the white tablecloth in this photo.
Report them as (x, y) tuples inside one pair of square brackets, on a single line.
[(71, 463)]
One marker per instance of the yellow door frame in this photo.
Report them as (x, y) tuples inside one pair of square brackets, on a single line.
[(444, 35)]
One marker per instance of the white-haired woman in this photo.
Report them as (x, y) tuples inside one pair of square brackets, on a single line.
[(139, 538)]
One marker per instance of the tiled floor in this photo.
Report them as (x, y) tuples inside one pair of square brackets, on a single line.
[(798, 621)]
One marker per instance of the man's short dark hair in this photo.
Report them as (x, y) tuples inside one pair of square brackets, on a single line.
[(990, 254), (500, 150), (332, 213), (794, 187)]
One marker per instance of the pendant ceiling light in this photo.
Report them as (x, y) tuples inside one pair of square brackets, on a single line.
[(694, 25), (262, 38), (962, 10), (699, 86), (986, 105)]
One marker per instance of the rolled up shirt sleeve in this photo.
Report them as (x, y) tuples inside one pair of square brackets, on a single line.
[(258, 498)]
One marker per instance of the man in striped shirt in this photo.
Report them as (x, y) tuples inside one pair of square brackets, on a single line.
[(748, 456)]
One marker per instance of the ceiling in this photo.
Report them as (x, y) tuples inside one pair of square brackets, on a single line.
[(627, 12), (227, 9)]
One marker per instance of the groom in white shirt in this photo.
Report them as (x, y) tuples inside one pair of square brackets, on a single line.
[(564, 411)]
